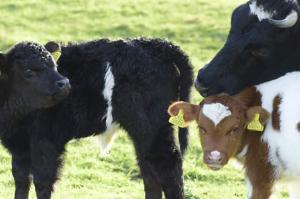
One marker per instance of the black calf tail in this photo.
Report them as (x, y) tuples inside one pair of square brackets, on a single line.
[(185, 84), (171, 53)]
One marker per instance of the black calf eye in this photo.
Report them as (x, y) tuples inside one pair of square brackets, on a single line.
[(263, 52), (29, 73)]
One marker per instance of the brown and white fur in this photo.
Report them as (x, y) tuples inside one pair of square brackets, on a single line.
[(267, 156)]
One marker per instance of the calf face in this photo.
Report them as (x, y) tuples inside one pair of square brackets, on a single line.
[(222, 121), (258, 48), (31, 75)]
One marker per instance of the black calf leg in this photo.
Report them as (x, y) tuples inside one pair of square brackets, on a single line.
[(152, 187), (166, 159), (159, 159), (21, 172), (45, 163), (160, 163)]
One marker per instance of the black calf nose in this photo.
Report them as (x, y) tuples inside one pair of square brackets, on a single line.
[(63, 84)]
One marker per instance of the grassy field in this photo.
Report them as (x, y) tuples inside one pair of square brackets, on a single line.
[(198, 26)]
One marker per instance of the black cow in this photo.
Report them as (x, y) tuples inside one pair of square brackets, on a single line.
[(114, 83), (263, 44), (28, 81)]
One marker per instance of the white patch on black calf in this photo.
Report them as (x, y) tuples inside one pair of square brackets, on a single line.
[(107, 137), (216, 112), (109, 83)]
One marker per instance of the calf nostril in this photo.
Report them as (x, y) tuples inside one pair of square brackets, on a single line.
[(61, 84), (215, 157)]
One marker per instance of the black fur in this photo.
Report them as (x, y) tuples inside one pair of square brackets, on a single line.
[(149, 75)]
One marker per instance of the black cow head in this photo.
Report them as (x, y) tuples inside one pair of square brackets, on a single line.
[(29, 75), (263, 44)]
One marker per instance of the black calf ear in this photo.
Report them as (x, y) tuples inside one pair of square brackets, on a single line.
[(52, 46), (54, 49)]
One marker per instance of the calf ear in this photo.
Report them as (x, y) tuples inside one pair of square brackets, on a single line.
[(52, 46), (263, 114), (54, 49), (190, 111)]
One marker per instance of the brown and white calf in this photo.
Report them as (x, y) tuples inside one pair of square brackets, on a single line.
[(267, 156)]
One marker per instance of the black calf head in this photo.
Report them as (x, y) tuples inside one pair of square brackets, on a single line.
[(263, 44), (30, 74)]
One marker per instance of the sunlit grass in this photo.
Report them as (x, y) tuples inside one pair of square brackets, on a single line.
[(198, 26)]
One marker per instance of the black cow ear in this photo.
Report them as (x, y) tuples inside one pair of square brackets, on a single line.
[(52, 47)]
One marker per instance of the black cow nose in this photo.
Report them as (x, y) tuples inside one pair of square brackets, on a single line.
[(201, 77), (63, 84), (200, 83)]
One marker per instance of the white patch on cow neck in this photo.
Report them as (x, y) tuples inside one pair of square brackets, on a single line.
[(259, 11), (109, 83), (216, 112), (284, 145)]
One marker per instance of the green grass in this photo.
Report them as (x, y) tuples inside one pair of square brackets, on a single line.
[(198, 26)]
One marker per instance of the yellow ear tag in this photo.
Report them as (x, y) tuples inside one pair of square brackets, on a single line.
[(56, 55), (178, 120), (255, 125)]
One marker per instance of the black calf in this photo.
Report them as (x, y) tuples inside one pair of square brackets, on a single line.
[(115, 83)]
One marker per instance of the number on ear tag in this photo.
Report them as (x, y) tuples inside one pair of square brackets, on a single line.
[(178, 120), (56, 55), (255, 124)]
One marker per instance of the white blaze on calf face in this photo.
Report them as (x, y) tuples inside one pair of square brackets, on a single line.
[(216, 112), (259, 11)]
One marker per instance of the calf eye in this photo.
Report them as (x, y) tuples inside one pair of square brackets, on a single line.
[(28, 70), (263, 52), (202, 130), (29, 73), (233, 131)]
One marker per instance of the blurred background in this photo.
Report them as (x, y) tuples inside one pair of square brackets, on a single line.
[(198, 26)]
